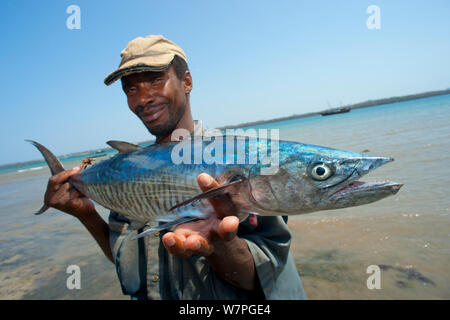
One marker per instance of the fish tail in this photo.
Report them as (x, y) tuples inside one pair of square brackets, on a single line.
[(52, 162)]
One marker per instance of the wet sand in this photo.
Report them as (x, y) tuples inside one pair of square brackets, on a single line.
[(48, 281), (332, 255)]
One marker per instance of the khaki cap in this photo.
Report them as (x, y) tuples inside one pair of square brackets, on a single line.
[(152, 53)]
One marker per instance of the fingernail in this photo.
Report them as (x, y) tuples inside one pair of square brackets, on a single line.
[(206, 180), (170, 242)]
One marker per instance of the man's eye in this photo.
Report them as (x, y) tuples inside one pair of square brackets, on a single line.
[(129, 91), (157, 80)]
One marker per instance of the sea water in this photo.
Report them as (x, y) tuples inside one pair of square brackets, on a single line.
[(405, 236)]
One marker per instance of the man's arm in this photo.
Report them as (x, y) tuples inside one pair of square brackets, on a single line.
[(99, 229), (216, 239), (62, 196), (234, 263)]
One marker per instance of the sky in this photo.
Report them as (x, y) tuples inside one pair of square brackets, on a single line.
[(250, 60)]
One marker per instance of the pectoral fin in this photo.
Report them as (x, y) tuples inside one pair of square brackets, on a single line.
[(164, 226), (214, 192)]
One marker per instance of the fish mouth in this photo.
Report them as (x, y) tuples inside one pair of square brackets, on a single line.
[(361, 187), (356, 192)]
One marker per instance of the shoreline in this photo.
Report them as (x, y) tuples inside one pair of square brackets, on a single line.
[(359, 105)]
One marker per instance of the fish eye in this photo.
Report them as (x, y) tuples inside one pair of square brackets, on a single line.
[(236, 177), (321, 172)]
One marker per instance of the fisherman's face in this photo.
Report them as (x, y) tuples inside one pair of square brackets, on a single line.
[(159, 99)]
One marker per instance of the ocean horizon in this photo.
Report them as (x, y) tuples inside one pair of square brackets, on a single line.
[(31, 165)]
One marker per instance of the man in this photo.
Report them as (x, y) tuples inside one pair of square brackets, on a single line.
[(214, 258)]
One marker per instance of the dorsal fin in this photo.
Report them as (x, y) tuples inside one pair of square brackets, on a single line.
[(123, 146)]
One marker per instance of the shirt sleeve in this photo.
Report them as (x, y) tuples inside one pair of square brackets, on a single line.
[(269, 243)]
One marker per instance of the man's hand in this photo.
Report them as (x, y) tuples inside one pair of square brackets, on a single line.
[(62, 196), (215, 238), (202, 237)]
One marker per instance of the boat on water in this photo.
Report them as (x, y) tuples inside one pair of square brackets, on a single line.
[(335, 111)]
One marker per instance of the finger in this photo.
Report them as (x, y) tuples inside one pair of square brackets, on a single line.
[(64, 191), (60, 197), (228, 228), (74, 193), (223, 206), (174, 244), (61, 177), (198, 245)]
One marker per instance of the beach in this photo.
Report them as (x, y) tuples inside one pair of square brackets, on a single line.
[(406, 235)]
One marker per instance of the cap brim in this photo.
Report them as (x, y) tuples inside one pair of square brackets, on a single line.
[(121, 72)]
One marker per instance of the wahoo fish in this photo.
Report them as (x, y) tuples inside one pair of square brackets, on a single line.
[(159, 182)]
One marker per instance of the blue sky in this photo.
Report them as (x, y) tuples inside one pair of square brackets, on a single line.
[(250, 60)]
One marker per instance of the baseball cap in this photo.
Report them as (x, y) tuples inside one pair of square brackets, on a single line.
[(152, 53)]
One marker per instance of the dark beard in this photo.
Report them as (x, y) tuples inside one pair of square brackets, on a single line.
[(165, 129)]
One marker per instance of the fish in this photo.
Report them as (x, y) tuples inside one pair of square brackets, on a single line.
[(159, 182)]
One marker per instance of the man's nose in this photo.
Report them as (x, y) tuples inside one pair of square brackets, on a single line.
[(146, 96)]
